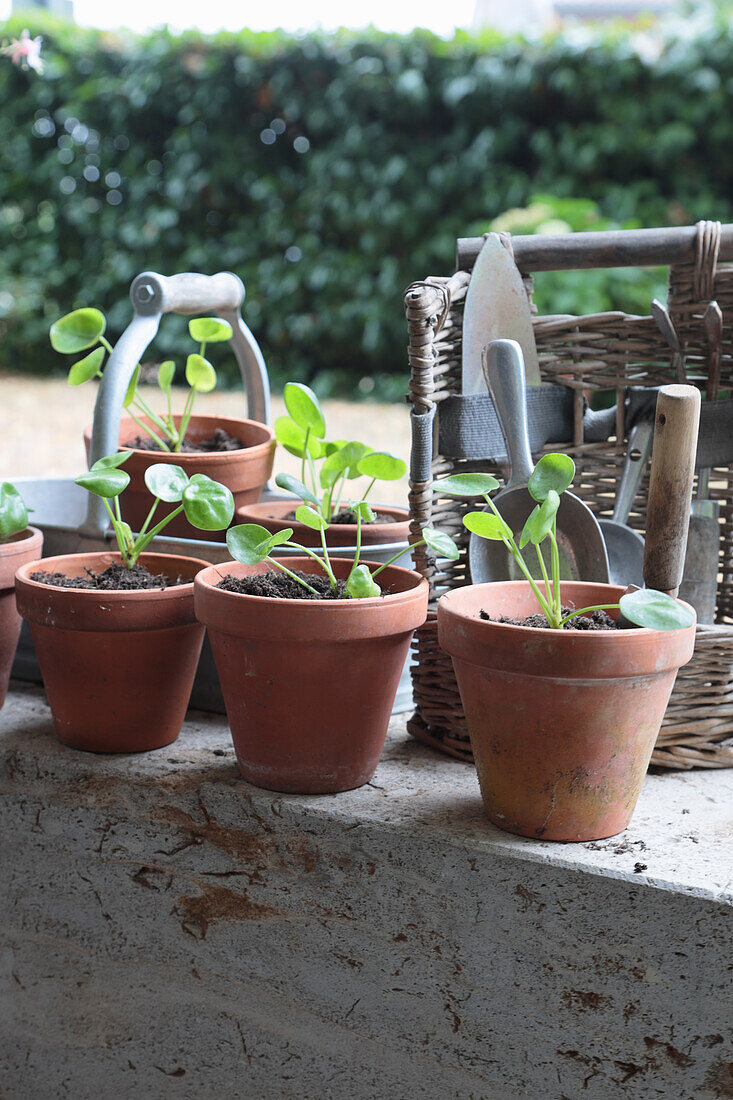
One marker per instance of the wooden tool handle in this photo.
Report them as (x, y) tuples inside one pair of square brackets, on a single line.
[(670, 486)]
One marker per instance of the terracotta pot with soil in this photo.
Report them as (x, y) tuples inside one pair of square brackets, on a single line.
[(244, 469), (562, 722), (117, 663), (308, 683), (16, 551), (390, 525)]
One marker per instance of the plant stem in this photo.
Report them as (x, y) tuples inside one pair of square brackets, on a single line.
[(312, 554), (148, 518), (147, 411), (121, 543), (358, 545), (516, 554), (327, 560), (556, 595), (146, 428), (585, 610), (545, 578), (305, 452), (105, 343), (188, 409), (142, 543), (370, 486), (297, 579)]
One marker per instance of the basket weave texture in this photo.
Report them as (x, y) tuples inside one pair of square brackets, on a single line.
[(598, 352)]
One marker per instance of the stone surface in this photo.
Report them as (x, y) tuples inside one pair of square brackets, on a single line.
[(167, 930)]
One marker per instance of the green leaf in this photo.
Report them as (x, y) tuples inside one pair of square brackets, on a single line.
[(363, 510), (77, 331), (106, 481), (86, 368), (553, 471), (440, 543), (487, 525), (361, 585), (110, 462), (540, 520), (131, 388), (13, 512), (200, 374), (250, 543), (294, 485), (279, 537), (655, 610), (311, 519), (466, 485), (354, 453), (383, 466), (167, 482), (292, 438), (304, 408), (207, 504), (166, 374), (209, 330)]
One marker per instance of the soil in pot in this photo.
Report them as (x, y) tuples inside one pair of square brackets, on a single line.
[(114, 578), (117, 664), (346, 516), (391, 524), (18, 550), (218, 441), (280, 586), (597, 620)]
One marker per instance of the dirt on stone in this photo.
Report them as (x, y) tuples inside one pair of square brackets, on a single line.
[(597, 620), (115, 578), (281, 586), (219, 440)]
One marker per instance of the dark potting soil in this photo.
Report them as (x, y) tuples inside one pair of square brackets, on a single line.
[(219, 440), (347, 516), (114, 578), (283, 587), (597, 620)]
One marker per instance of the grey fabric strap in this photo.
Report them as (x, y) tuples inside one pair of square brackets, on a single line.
[(421, 455)]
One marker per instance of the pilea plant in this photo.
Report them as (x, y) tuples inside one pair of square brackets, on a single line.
[(249, 543), (552, 475), (302, 433), (13, 512), (207, 504), (84, 328)]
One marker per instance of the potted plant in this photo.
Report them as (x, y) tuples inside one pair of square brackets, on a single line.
[(115, 632), (564, 684), (236, 452), (328, 470), (19, 544), (309, 652)]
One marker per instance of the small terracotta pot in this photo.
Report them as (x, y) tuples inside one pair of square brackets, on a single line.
[(117, 667), (309, 685), (271, 515), (562, 723), (245, 472), (21, 548)]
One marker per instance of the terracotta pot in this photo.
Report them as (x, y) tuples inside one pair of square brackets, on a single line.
[(245, 472), (271, 515), (562, 723), (309, 685), (117, 666), (21, 548)]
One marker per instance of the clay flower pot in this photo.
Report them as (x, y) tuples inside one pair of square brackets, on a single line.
[(245, 472), (21, 548), (562, 723), (309, 685), (271, 515), (117, 667)]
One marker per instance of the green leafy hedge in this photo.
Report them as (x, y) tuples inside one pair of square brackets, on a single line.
[(329, 172)]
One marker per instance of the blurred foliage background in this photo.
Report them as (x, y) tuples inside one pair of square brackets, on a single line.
[(329, 172)]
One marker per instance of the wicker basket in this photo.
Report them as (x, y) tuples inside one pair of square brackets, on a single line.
[(599, 352)]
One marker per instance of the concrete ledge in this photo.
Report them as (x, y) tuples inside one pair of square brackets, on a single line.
[(166, 930)]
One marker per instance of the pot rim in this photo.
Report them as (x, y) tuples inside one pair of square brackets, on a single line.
[(109, 557), (18, 541), (212, 456)]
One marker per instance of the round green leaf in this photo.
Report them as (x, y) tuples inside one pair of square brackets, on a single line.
[(279, 537), (487, 525), (209, 330), (309, 518), (540, 520), (354, 453), (77, 331), (109, 462), (304, 408), (361, 585), (363, 510), (13, 512), (207, 504), (131, 388), (655, 610), (554, 471), (292, 438), (249, 542), (440, 543), (106, 481), (294, 485), (465, 485), (383, 466), (200, 374), (86, 368), (166, 374), (167, 482)]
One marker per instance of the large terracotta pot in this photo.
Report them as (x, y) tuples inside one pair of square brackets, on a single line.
[(309, 685), (562, 723), (245, 472), (117, 666), (271, 515), (21, 548)]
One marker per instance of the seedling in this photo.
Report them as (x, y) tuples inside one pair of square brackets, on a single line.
[(84, 328), (206, 504), (13, 512), (552, 475), (302, 433)]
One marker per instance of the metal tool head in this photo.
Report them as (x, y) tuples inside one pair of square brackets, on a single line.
[(626, 547)]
